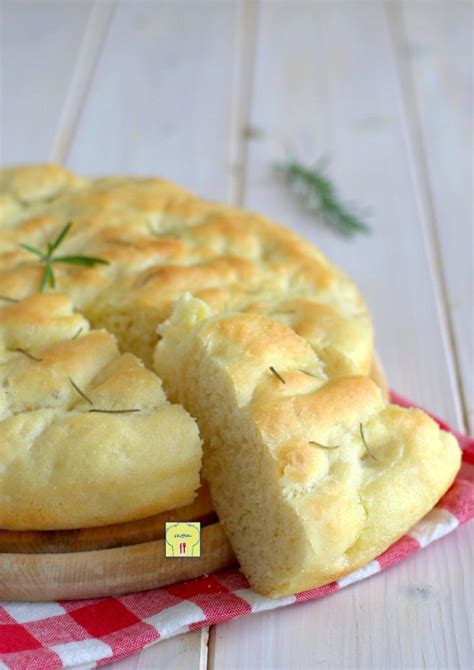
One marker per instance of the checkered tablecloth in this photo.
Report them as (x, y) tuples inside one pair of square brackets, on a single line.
[(42, 636)]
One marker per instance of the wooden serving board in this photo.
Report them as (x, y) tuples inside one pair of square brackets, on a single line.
[(110, 560), (115, 559)]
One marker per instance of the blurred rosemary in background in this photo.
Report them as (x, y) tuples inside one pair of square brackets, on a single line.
[(319, 196)]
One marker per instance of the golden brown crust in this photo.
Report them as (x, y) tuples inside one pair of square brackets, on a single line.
[(162, 241)]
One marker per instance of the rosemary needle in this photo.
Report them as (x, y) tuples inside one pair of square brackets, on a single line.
[(323, 446), (361, 431), (277, 374), (319, 195), (7, 298), (28, 354), (311, 374), (81, 393), (114, 411), (48, 258)]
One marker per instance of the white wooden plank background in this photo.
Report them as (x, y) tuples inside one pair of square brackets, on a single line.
[(438, 65), (39, 46), (211, 94), (160, 101)]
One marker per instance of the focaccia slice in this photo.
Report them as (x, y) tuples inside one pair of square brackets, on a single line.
[(311, 476)]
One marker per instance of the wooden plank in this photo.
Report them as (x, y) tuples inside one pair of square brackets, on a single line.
[(326, 83), (188, 652), (162, 103), (392, 620), (436, 50), (108, 572), (39, 47)]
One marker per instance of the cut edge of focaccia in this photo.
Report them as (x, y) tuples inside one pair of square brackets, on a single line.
[(311, 477)]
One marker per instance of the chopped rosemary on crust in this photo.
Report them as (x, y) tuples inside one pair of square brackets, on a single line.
[(323, 446), (114, 411), (361, 431), (312, 374), (81, 393), (27, 353), (277, 374)]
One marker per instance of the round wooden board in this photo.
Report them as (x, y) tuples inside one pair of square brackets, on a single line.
[(116, 559), (108, 572)]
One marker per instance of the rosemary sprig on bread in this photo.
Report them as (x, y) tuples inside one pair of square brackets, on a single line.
[(47, 258)]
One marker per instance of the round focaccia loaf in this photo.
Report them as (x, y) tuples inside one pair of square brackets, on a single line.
[(162, 241), (312, 476), (87, 436)]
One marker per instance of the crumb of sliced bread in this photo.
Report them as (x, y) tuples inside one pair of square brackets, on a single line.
[(311, 476)]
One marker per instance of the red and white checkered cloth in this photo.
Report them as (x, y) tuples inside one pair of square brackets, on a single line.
[(42, 636)]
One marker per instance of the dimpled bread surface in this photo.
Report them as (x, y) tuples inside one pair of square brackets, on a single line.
[(64, 463), (162, 241), (311, 475), (303, 499)]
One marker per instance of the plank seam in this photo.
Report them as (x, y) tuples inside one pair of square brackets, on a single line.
[(245, 45), (425, 203), (204, 648), (95, 35)]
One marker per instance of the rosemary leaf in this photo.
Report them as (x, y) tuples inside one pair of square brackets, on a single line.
[(319, 195), (32, 250), (47, 258), (277, 374), (81, 393), (47, 278), (28, 354), (55, 244), (88, 261), (8, 299), (114, 411), (76, 335), (361, 431), (323, 446), (311, 374)]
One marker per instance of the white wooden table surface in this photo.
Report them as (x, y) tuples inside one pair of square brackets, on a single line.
[(210, 94)]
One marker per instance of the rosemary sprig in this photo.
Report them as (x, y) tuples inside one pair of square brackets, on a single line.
[(28, 354), (277, 374), (77, 333), (81, 393), (323, 446), (47, 258), (361, 431), (319, 195)]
